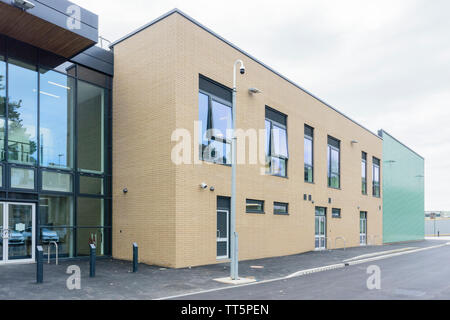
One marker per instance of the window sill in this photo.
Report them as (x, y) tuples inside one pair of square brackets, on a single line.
[(277, 175), (334, 188), (218, 163), (249, 212), (281, 214), (310, 182)]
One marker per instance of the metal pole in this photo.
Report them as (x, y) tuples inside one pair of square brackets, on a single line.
[(92, 260), (234, 266), (135, 257), (40, 264)]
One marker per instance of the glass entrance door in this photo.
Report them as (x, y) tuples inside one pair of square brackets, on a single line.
[(223, 226), (321, 229), (18, 238), (363, 228)]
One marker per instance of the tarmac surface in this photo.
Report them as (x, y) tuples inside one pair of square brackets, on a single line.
[(114, 279)]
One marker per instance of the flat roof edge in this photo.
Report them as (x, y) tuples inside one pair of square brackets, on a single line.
[(382, 131), (176, 10)]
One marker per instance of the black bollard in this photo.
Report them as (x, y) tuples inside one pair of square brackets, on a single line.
[(135, 257), (40, 264), (92, 261)]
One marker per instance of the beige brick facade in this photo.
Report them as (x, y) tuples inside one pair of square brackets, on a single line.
[(173, 220)]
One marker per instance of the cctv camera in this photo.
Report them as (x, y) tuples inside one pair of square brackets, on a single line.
[(242, 70), (203, 185)]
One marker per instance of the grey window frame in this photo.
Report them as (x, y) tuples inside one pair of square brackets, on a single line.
[(364, 179), (281, 204), (210, 125), (329, 149), (336, 216), (376, 185), (272, 155), (311, 138), (261, 202)]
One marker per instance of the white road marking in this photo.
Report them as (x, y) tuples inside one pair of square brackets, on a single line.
[(306, 272), (379, 253)]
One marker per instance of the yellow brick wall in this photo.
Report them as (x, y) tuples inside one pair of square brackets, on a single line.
[(156, 90), (143, 113)]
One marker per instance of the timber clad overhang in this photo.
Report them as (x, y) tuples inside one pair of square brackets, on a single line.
[(46, 26)]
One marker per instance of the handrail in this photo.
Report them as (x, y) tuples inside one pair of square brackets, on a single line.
[(49, 251), (340, 238)]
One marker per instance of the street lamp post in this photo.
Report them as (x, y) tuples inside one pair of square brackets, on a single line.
[(234, 236)]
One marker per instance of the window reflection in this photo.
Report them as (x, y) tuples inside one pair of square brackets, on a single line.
[(90, 212), (2, 106), (55, 211), (22, 113), (91, 104), (56, 119)]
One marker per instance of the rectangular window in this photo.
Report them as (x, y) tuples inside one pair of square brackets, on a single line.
[(22, 178), (254, 206), (336, 213), (22, 112), (2, 105), (91, 185), (57, 98), (277, 151), (280, 208), (376, 177), (364, 173), (91, 140), (308, 154), (55, 211), (334, 166), (56, 181), (90, 212), (215, 116)]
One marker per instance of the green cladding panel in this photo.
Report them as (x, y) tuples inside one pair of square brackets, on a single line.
[(403, 192)]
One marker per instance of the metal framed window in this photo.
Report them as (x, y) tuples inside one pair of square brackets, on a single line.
[(280, 208), (336, 213), (376, 177), (215, 117), (334, 165), (254, 206), (309, 154), (277, 150), (364, 173)]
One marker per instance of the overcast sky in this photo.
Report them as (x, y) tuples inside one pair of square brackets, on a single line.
[(385, 64)]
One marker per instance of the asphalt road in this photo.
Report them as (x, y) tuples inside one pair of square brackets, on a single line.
[(420, 275)]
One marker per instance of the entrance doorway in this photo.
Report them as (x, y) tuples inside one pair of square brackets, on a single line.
[(321, 228), (17, 234), (363, 228), (223, 230)]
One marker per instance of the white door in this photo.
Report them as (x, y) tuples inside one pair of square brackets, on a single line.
[(320, 229), (17, 239), (223, 230), (363, 228)]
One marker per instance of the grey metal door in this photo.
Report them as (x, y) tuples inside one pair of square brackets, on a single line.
[(363, 228), (320, 229), (223, 230)]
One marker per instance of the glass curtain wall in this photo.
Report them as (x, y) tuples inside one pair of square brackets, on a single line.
[(55, 146)]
